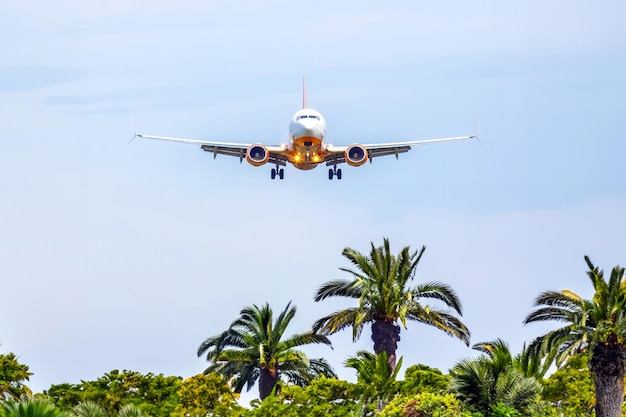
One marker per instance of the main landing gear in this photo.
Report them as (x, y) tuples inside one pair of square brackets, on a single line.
[(334, 171), (278, 171)]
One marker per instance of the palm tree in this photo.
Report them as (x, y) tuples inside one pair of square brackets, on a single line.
[(88, 409), (253, 348), (375, 376), (31, 408), (597, 325), (496, 377), (373, 369), (93, 409), (379, 285), (130, 410), (12, 377)]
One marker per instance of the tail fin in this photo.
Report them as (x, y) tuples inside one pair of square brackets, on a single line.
[(304, 92)]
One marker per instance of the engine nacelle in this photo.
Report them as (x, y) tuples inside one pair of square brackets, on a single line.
[(257, 155), (356, 155)]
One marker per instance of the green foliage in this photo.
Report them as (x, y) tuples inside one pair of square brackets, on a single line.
[(376, 381), (254, 348), (88, 409), (324, 397), (422, 378), (154, 395), (204, 395), (31, 408), (569, 390), (12, 377), (66, 396), (531, 362), (503, 410), (130, 410), (373, 371), (130, 394), (93, 409), (425, 405), (493, 378)]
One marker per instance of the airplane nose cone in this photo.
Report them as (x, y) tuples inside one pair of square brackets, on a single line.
[(308, 124), (312, 131), (307, 128)]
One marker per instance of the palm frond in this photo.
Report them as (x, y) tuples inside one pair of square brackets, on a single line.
[(516, 390), (439, 291), (308, 338), (88, 409), (442, 320), (30, 408), (337, 321), (338, 288), (302, 376), (494, 348), (130, 410), (565, 299), (282, 321), (551, 314)]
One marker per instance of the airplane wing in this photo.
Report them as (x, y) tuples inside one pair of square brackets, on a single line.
[(277, 153), (374, 150)]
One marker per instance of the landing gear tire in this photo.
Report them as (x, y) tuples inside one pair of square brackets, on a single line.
[(281, 173), (273, 173), (334, 171)]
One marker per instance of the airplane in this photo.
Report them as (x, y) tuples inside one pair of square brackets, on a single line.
[(306, 148)]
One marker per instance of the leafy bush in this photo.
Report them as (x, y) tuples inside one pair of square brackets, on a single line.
[(422, 378), (324, 397), (425, 405), (502, 410)]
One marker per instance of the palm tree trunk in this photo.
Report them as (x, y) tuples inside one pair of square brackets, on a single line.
[(267, 380), (386, 336), (607, 369)]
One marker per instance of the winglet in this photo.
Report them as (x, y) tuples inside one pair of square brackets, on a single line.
[(478, 130), (304, 92), (132, 124)]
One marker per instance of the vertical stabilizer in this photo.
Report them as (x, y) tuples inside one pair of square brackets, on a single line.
[(304, 92)]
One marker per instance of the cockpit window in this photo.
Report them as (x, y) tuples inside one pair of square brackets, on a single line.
[(307, 116)]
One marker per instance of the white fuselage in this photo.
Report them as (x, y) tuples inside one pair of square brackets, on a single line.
[(307, 130)]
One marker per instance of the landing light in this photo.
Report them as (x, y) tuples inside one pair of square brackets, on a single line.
[(317, 158), (297, 158)]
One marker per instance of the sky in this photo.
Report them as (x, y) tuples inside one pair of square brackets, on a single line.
[(118, 255)]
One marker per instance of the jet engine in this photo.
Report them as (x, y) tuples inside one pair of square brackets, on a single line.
[(257, 155), (356, 155)]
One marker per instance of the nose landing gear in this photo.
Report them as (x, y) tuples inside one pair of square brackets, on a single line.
[(334, 171)]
